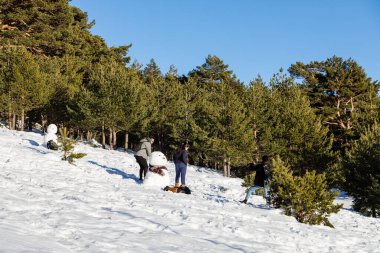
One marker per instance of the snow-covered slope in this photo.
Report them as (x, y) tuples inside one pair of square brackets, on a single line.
[(47, 205)]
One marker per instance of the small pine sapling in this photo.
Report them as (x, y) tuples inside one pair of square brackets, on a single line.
[(306, 198), (67, 146)]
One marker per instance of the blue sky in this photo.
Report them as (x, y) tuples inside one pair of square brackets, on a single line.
[(252, 37)]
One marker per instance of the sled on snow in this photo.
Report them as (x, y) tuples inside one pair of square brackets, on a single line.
[(180, 189)]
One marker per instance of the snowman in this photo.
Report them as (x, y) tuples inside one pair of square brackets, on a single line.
[(158, 174), (50, 138)]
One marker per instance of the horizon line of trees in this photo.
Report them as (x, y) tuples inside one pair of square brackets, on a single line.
[(317, 117)]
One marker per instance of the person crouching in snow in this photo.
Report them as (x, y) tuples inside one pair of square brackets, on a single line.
[(262, 174), (142, 154), (181, 167)]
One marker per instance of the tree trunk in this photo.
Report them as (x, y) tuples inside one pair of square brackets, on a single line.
[(30, 125), (13, 121), (224, 166), (22, 119), (114, 139), (10, 125), (103, 137), (161, 134), (229, 167), (126, 140), (110, 138), (43, 123)]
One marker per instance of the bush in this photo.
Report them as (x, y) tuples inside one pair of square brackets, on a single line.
[(362, 171), (306, 198), (67, 146), (249, 179)]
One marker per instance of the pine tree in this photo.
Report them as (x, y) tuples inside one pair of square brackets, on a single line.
[(67, 144), (136, 104), (52, 28), (152, 73), (291, 129), (187, 128), (56, 29), (65, 77), (222, 113), (306, 198), (107, 81), (362, 171), (257, 101), (339, 91), (169, 102), (24, 82)]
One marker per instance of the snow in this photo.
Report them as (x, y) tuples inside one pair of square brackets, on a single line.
[(48, 205)]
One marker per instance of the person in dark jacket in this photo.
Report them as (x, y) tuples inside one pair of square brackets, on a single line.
[(182, 166), (176, 157), (142, 155), (260, 179)]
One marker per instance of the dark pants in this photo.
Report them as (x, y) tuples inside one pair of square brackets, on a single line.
[(180, 171), (143, 165)]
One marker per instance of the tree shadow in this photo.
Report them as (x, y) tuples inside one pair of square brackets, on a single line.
[(260, 206), (33, 143), (161, 227), (117, 172), (39, 151)]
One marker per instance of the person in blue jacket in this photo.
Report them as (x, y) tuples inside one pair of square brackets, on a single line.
[(181, 166)]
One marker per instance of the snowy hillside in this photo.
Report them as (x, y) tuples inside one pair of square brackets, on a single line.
[(47, 205)]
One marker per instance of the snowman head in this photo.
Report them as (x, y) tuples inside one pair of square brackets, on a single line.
[(157, 158), (52, 129)]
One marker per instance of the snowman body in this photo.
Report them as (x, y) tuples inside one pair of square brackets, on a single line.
[(158, 174), (51, 134)]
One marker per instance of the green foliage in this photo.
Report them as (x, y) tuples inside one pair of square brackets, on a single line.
[(23, 79), (249, 179), (53, 28), (362, 171), (52, 67), (287, 126), (165, 105), (257, 100), (341, 93), (221, 113), (67, 145), (65, 77), (306, 198)]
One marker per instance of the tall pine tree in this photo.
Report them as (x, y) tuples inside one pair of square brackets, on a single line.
[(339, 90)]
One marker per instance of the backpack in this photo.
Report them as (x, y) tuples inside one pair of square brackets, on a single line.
[(52, 145)]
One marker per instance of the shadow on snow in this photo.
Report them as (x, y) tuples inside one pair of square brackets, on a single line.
[(117, 172)]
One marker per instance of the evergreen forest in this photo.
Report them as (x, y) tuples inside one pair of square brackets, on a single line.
[(318, 117)]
